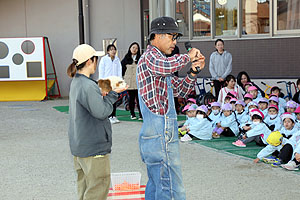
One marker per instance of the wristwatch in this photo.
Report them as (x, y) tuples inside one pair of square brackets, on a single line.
[(194, 72)]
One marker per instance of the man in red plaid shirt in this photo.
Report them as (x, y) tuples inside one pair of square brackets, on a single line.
[(158, 141)]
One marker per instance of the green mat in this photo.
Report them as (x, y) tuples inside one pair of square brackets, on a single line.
[(225, 144), (122, 115)]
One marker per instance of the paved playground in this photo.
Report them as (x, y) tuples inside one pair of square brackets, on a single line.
[(36, 162)]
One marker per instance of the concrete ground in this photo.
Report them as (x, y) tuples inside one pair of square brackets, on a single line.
[(36, 162)]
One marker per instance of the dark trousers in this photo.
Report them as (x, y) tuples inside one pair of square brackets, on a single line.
[(285, 153), (257, 140), (218, 86), (227, 132), (133, 97), (113, 114)]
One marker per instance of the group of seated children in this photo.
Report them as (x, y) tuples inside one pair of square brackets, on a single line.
[(272, 123)]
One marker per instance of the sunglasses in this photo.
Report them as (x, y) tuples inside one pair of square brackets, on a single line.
[(175, 36)]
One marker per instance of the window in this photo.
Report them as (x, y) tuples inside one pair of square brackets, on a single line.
[(288, 14), (226, 17), (256, 17), (201, 18), (182, 16)]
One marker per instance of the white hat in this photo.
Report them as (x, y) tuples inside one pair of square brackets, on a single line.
[(84, 52)]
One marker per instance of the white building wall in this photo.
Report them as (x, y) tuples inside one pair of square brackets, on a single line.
[(58, 20)]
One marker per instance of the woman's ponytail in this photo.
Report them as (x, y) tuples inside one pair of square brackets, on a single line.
[(71, 71)]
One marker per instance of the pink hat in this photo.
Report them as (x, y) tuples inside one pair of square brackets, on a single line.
[(251, 88), (227, 106), (287, 115), (215, 104), (203, 108), (263, 100), (240, 102), (274, 99), (192, 100), (253, 103), (257, 112), (250, 96), (273, 106), (233, 93), (291, 104), (186, 107), (297, 110), (233, 100), (193, 107)]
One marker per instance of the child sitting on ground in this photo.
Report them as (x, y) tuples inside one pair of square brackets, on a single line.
[(254, 92), (273, 99), (190, 101), (240, 113), (232, 102), (245, 126), (258, 131), (201, 127), (288, 128), (291, 107), (277, 91), (279, 147), (297, 112), (215, 113), (191, 116), (248, 98), (293, 164), (273, 119), (263, 106), (227, 125)]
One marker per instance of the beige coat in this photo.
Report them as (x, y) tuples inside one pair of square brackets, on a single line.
[(130, 76)]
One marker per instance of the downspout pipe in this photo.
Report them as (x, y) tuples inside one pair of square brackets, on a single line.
[(81, 23)]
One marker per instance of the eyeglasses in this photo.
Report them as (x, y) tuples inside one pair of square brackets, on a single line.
[(175, 36)]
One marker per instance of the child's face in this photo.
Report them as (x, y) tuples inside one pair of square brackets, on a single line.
[(298, 116), (263, 106), (191, 113), (253, 93), (226, 100), (288, 124), (252, 107), (276, 92), (246, 88), (227, 112), (233, 106), (273, 102), (290, 110), (247, 101), (239, 108), (256, 120), (272, 111)]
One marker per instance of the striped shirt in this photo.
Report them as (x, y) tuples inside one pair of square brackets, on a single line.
[(153, 68)]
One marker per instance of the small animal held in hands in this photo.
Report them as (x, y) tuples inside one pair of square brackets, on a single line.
[(111, 83)]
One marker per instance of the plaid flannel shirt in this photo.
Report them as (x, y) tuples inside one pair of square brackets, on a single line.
[(152, 70)]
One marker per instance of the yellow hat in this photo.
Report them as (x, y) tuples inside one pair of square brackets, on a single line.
[(275, 138)]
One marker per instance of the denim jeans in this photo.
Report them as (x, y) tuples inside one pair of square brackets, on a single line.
[(159, 149)]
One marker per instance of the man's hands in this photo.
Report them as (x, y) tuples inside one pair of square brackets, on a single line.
[(197, 59)]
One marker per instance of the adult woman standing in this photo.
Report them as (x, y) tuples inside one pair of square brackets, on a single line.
[(89, 128), (110, 65), (129, 64), (220, 65)]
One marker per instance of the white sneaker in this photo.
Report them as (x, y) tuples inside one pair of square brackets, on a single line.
[(112, 121), (186, 138), (116, 120), (291, 165)]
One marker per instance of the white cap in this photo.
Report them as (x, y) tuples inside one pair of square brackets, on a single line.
[(84, 52)]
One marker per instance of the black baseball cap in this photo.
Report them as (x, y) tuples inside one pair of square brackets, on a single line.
[(162, 25)]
